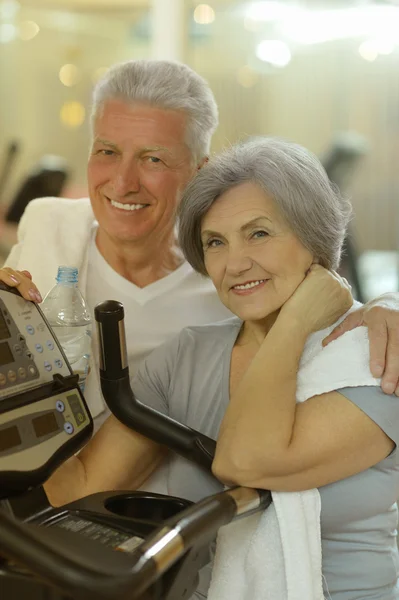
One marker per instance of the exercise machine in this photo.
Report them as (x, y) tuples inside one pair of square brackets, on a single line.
[(113, 545)]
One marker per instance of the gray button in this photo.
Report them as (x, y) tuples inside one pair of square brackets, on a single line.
[(39, 348), (47, 366), (30, 329), (17, 349), (32, 370), (12, 376), (60, 406), (50, 345), (58, 363), (68, 428), (21, 373)]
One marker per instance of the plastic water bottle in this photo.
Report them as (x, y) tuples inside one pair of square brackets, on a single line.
[(67, 312)]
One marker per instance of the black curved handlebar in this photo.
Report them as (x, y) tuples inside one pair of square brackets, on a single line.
[(84, 570), (117, 392)]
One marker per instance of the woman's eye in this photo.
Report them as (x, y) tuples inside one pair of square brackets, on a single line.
[(259, 234), (213, 243)]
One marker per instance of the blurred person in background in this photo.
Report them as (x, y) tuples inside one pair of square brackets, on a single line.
[(152, 124)]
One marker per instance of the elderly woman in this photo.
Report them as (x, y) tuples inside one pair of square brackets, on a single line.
[(264, 223)]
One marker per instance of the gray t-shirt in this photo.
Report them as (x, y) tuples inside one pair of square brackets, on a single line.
[(188, 379)]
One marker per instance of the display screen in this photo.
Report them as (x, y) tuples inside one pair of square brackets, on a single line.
[(9, 438), (4, 331), (6, 355), (45, 424)]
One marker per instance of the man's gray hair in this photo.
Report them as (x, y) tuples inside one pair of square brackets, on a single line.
[(168, 85), (292, 176)]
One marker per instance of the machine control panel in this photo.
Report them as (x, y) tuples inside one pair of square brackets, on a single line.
[(30, 434), (29, 353)]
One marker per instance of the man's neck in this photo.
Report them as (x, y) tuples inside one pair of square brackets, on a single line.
[(140, 263)]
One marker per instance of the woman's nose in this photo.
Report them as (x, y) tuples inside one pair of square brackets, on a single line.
[(238, 261)]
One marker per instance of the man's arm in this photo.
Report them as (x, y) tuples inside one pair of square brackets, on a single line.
[(115, 459), (381, 316)]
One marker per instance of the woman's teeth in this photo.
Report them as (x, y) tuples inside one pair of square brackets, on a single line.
[(247, 286), (127, 206)]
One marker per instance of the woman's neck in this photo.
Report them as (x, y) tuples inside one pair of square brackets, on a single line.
[(254, 332)]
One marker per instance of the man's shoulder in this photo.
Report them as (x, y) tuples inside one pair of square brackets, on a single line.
[(58, 205)]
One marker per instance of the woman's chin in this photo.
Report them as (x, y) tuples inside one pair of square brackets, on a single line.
[(255, 315)]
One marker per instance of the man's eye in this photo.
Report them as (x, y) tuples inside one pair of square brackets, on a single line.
[(106, 152), (153, 159)]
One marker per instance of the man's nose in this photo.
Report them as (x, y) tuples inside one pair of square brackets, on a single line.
[(127, 179)]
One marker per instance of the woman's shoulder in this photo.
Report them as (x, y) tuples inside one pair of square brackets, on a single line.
[(200, 338), (193, 345)]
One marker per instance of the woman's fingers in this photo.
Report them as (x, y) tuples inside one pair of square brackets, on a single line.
[(22, 280)]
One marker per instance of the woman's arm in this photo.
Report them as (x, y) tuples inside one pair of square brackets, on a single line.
[(266, 440), (115, 459)]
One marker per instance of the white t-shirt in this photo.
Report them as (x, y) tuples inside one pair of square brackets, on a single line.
[(153, 314)]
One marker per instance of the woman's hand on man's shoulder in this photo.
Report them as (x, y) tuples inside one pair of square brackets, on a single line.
[(22, 280)]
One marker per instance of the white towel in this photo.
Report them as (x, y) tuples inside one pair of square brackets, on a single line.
[(276, 555)]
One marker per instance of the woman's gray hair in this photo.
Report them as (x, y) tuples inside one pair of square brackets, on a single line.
[(292, 176), (168, 85)]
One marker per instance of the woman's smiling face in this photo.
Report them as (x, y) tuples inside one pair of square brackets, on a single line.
[(253, 258)]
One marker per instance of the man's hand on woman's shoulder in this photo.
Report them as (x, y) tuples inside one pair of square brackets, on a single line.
[(381, 316)]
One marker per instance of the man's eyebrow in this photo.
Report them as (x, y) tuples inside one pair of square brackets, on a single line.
[(105, 143), (251, 223), (155, 149)]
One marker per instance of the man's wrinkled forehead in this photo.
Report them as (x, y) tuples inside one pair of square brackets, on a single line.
[(142, 125)]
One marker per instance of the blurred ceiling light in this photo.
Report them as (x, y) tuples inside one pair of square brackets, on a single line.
[(317, 26), (72, 114), (204, 14), (269, 11), (274, 52), (368, 51), (99, 73), (371, 49), (28, 30), (9, 9), (385, 46), (69, 75), (247, 77), (8, 33)]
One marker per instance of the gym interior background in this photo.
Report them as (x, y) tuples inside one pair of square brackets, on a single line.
[(323, 73)]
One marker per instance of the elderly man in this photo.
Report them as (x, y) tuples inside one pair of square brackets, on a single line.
[(152, 127)]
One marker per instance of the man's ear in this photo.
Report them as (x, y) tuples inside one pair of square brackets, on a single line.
[(202, 163)]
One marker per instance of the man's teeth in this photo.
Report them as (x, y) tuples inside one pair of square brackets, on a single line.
[(247, 286), (127, 206)]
